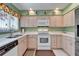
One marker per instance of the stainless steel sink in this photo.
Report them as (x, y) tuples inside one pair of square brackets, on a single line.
[(15, 36)]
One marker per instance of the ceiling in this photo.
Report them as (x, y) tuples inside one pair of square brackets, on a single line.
[(40, 6)]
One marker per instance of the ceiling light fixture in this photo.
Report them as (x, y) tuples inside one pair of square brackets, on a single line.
[(31, 12), (30, 9), (57, 11)]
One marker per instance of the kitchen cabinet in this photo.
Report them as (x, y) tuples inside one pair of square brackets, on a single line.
[(52, 21), (69, 45), (59, 21), (56, 21), (22, 45), (28, 21), (69, 19), (32, 41), (32, 21), (56, 41), (24, 21)]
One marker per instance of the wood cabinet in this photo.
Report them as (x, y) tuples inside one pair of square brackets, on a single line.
[(56, 21), (22, 45), (24, 21), (52, 21), (32, 41), (56, 41), (28, 21), (59, 21), (32, 21), (69, 45), (69, 19)]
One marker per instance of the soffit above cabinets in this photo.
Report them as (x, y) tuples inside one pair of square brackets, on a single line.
[(40, 6)]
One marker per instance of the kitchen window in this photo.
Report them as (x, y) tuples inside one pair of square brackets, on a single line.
[(8, 22)]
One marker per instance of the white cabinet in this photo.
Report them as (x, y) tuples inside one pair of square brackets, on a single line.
[(69, 19), (69, 45), (22, 45), (55, 21), (56, 41), (28, 21), (32, 41)]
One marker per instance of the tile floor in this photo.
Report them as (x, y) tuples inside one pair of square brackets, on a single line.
[(59, 52)]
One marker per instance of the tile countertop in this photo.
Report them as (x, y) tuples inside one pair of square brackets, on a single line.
[(4, 41), (61, 33)]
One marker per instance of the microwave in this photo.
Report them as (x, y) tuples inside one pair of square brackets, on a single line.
[(42, 22)]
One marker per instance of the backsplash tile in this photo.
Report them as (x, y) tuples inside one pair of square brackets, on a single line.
[(60, 29)]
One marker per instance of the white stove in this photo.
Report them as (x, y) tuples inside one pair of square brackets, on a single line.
[(44, 41)]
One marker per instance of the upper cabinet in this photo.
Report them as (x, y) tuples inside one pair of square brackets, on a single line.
[(69, 19), (56, 21), (24, 21), (32, 21), (28, 21), (59, 21), (53, 21)]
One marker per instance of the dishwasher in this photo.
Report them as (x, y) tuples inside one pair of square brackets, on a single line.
[(9, 49)]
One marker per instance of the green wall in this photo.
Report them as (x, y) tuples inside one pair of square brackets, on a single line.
[(70, 7), (60, 29)]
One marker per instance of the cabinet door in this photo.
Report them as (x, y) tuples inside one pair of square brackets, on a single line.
[(22, 46), (52, 21), (69, 19), (20, 49), (32, 41), (59, 21), (53, 39), (72, 18), (32, 21), (24, 21), (58, 41), (69, 45)]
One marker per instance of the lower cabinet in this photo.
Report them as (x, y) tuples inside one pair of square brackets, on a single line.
[(32, 41), (65, 42), (69, 45), (22, 45), (56, 41)]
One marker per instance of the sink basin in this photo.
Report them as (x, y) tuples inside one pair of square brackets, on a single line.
[(14, 36)]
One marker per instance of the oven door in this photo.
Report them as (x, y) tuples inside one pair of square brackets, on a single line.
[(44, 42)]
